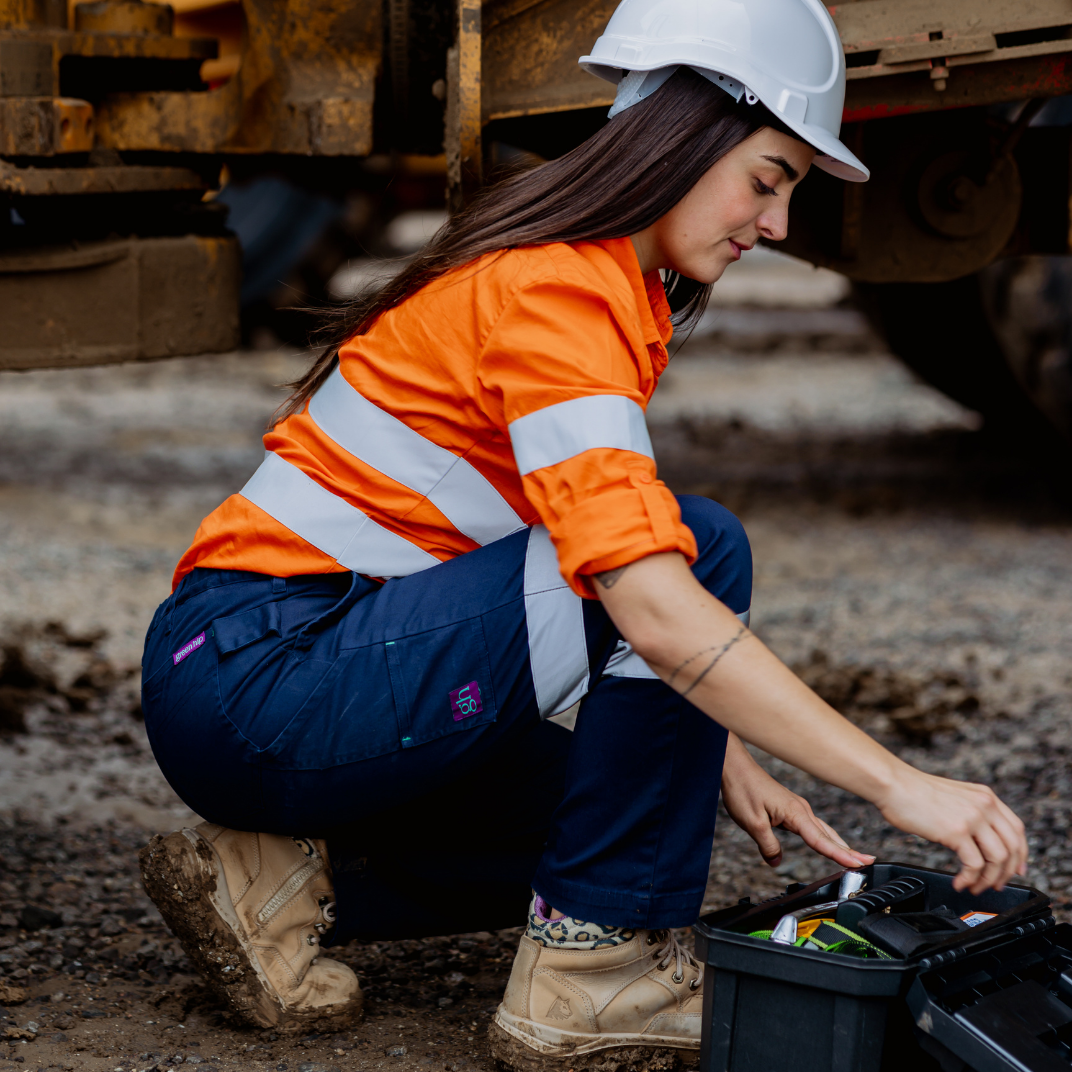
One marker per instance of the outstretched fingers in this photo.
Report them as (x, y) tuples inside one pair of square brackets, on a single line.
[(825, 840)]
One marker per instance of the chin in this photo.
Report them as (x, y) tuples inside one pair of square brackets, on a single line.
[(707, 271)]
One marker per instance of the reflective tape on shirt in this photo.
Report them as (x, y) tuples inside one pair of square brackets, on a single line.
[(558, 655), (459, 491), (330, 523), (554, 434)]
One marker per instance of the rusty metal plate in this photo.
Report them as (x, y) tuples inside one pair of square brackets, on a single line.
[(987, 83), (868, 25), (45, 126), (530, 57), (45, 182), (127, 300)]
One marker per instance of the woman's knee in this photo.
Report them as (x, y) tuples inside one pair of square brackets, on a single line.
[(724, 563)]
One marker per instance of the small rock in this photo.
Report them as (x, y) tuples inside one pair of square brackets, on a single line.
[(12, 995), (195, 1059), (93, 977), (57, 997), (454, 978), (444, 1003), (35, 918), (19, 1033), (396, 1051), (92, 1014), (59, 1036)]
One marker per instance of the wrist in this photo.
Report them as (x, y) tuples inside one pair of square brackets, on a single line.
[(888, 779)]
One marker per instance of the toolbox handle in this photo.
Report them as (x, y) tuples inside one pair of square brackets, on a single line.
[(899, 891)]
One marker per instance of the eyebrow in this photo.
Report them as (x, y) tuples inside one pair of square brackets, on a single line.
[(790, 171)]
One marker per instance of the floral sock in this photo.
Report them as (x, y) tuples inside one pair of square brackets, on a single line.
[(569, 933)]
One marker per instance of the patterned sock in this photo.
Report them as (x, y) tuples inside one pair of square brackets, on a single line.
[(569, 933)]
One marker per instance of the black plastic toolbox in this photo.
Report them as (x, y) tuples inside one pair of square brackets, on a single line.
[(777, 1008), (1005, 1008)]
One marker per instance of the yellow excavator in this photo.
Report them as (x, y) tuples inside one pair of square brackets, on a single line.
[(119, 117)]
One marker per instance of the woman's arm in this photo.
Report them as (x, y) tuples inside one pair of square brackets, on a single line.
[(698, 647)]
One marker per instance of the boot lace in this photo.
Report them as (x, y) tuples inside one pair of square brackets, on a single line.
[(327, 910), (670, 949)]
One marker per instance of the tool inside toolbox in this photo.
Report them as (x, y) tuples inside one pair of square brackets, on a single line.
[(893, 919)]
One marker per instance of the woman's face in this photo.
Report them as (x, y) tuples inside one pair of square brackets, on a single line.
[(742, 198)]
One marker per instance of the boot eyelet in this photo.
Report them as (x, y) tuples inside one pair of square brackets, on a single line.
[(678, 977), (312, 939), (695, 984)]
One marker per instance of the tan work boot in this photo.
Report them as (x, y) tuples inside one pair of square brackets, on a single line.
[(249, 910), (639, 997)]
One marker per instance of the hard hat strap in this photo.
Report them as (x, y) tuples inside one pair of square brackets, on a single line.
[(635, 86)]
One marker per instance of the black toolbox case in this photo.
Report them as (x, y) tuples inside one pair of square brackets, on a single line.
[(1004, 1008), (775, 1008)]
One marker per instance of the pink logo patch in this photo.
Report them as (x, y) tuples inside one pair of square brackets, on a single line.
[(465, 702), (188, 648)]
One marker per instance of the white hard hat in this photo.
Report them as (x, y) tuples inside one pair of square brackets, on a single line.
[(785, 53)]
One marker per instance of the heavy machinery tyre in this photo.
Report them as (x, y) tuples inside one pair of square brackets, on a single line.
[(998, 342)]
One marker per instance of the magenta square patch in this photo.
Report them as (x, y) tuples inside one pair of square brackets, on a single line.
[(465, 702), (188, 648)]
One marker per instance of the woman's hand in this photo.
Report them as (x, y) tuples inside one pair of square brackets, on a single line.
[(985, 833), (758, 803)]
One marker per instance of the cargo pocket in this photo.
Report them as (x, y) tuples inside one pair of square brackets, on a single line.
[(441, 680)]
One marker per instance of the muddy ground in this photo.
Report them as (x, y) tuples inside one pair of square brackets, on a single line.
[(912, 571)]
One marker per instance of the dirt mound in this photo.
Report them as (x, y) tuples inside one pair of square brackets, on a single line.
[(881, 701), (66, 671)]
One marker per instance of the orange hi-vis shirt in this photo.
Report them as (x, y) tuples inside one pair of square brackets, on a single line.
[(508, 393)]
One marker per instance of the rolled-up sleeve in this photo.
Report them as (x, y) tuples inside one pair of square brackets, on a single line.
[(558, 373)]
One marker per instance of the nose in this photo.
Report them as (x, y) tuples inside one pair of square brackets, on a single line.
[(773, 223)]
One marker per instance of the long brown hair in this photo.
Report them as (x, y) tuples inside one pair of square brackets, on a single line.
[(621, 180)]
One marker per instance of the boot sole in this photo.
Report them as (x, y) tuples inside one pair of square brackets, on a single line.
[(518, 1044), (184, 879)]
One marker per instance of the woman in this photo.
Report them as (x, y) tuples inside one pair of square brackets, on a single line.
[(457, 534)]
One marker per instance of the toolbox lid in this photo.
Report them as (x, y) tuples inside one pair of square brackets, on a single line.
[(1005, 1008)]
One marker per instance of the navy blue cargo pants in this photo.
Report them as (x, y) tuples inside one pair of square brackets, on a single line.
[(411, 724)]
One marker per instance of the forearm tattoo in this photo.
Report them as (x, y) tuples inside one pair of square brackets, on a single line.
[(611, 577), (718, 649)]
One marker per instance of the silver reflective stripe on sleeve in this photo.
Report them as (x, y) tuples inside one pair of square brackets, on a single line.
[(626, 663), (330, 523), (566, 429), (558, 654), (460, 492)]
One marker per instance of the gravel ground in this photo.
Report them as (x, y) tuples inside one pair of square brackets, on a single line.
[(912, 572)]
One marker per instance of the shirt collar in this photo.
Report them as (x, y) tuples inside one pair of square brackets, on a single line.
[(647, 289)]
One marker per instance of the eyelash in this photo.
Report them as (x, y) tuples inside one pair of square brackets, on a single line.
[(763, 188)]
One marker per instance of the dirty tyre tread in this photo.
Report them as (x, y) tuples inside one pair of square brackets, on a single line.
[(512, 1053)]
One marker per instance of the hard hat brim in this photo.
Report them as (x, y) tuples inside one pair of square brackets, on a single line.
[(831, 155)]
